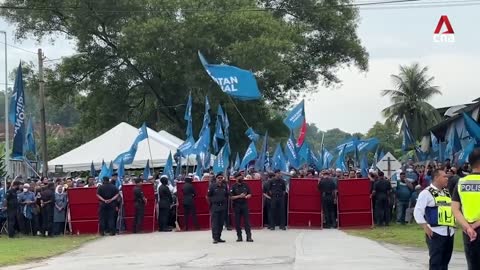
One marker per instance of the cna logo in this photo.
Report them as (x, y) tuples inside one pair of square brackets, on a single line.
[(447, 36)]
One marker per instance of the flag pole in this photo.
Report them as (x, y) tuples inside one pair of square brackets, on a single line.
[(150, 150)]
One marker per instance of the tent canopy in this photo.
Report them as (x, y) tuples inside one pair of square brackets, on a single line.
[(117, 140)]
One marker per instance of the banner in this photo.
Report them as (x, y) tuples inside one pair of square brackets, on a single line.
[(17, 115), (236, 82), (295, 118)]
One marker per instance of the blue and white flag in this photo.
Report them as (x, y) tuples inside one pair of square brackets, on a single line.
[(121, 174), (472, 126), (110, 169), (408, 142), (30, 145), (17, 115), (146, 171), (364, 165), (187, 147), (178, 159), (236, 165), (168, 169), (188, 109), (304, 153), (207, 160), (92, 170), (199, 169), (296, 116), (327, 159), (202, 145), (291, 152), (252, 135), (262, 161), (103, 173), (340, 163), (250, 154), (236, 82), (129, 156), (434, 142), (367, 145), (279, 161), (221, 162), (465, 153), (453, 145)]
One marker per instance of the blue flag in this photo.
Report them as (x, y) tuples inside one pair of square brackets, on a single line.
[(202, 145), (188, 108), (340, 163), (291, 152), (178, 159), (30, 145), (313, 159), (382, 154), (263, 159), (472, 126), (364, 165), (279, 161), (407, 138), (92, 170), (221, 162), (296, 116), (465, 153), (453, 145), (434, 142), (304, 153), (168, 169), (146, 171), (110, 169), (327, 159), (236, 82), (207, 160), (226, 125), (250, 154), (236, 165), (252, 135), (129, 156), (199, 169), (187, 147), (103, 173), (121, 174), (367, 145), (17, 115)]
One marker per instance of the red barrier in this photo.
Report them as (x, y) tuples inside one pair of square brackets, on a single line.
[(83, 204), (200, 201), (255, 204), (149, 219), (304, 203), (354, 203)]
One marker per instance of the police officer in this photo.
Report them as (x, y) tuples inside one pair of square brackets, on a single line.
[(466, 208), (433, 212), (165, 201), (381, 191), (328, 189), (107, 193), (240, 193), (12, 207), (276, 190), (218, 198), (140, 201), (47, 203), (189, 203)]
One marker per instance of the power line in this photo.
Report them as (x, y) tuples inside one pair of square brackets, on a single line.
[(18, 48)]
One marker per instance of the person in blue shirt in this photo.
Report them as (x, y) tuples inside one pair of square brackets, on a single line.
[(403, 192), (27, 201)]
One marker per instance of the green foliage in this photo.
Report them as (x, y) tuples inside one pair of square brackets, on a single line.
[(387, 134), (137, 60), (412, 89)]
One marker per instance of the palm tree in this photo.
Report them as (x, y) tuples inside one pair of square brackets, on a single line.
[(413, 89)]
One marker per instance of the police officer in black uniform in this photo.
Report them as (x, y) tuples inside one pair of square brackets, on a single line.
[(328, 189), (164, 203), (189, 203), (381, 190), (276, 190), (107, 194), (140, 201), (12, 207), (240, 193), (218, 198)]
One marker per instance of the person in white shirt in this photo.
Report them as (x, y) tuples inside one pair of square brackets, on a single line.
[(434, 214)]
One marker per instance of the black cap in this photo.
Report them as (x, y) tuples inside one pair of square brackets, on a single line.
[(218, 174), (115, 174), (277, 171), (237, 174)]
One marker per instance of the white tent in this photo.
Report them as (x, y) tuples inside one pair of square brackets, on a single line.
[(109, 145)]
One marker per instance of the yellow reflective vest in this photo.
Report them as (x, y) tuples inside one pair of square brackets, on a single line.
[(441, 214), (469, 192)]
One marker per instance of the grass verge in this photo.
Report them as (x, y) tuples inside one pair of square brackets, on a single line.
[(27, 249), (406, 235)]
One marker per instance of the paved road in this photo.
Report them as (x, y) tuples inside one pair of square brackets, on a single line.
[(279, 250)]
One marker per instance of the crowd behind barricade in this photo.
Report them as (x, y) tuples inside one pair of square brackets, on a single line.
[(38, 207)]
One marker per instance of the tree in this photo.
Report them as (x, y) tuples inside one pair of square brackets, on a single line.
[(137, 61), (387, 134), (412, 89)]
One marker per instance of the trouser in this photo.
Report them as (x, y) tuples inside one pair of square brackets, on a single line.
[(328, 211), (12, 220), (115, 219), (36, 225), (241, 211), (382, 211), (138, 220), (217, 221), (266, 212), (59, 228), (226, 217), (27, 226), (21, 222), (47, 219), (190, 210), (107, 219), (472, 251), (163, 215), (277, 208), (440, 249), (401, 210)]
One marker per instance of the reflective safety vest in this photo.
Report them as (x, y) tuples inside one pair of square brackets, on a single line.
[(441, 214), (469, 191)]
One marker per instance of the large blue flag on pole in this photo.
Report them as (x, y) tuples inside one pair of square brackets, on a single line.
[(407, 138), (168, 169), (472, 126), (463, 156), (296, 116), (340, 163), (129, 156), (30, 145), (252, 135), (236, 165), (250, 154), (103, 172), (236, 82), (453, 145), (221, 162), (110, 169), (291, 152), (146, 171), (121, 174), (263, 159), (17, 115), (92, 170), (279, 161)]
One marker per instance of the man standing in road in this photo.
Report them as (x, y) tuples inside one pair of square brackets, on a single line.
[(218, 198), (240, 193)]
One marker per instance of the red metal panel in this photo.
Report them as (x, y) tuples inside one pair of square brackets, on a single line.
[(304, 203), (354, 203), (200, 201)]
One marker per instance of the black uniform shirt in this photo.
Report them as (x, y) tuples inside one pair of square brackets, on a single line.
[(188, 193), (138, 196), (48, 197), (107, 191), (218, 195), (381, 188), (327, 186), (277, 188), (12, 200), (237, 189), (166, 198)]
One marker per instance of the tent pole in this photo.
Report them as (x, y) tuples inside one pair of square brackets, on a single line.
[(151, 158)]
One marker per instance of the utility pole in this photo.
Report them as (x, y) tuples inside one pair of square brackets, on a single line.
[(43, 129)]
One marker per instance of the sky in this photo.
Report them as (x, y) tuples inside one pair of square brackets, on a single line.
[(392, 37)]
